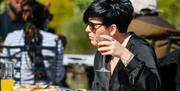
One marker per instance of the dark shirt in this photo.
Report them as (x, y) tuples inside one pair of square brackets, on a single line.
[(7, 25), (141, 73)]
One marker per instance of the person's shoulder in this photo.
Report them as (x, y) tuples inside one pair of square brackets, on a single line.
[(15, 33), (137, 39), (49, 39), (14, 36), (47, 33), (139, 42), (3, 14)]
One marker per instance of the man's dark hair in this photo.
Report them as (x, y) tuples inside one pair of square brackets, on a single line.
[(119, 12)]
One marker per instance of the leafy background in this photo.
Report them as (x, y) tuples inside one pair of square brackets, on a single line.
[(68, 21), (170, 10)]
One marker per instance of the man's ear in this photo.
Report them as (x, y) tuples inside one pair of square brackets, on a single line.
[(112, 29)]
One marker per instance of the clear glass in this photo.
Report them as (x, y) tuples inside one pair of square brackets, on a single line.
[(103, 68), (7, 70), (6, 73)]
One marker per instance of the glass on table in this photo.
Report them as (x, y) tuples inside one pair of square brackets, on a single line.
[(6, 73), (7, 70)]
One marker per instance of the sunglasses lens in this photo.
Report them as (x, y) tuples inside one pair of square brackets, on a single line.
[(91, 26)]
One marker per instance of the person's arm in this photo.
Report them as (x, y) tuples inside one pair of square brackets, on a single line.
[(60, 70), (142, 69), (6, 43), (126, 57)]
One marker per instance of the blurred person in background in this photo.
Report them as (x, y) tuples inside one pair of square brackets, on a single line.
[(130, 62), (154, 28), (33, 69), (49, 29), (10, 19), (145, 7), (163, 36)]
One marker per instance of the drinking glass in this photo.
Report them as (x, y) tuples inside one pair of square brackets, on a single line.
[(7, 70), (103, 68)]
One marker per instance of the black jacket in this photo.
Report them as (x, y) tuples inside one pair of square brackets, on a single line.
[(141, 74), (7, 25)]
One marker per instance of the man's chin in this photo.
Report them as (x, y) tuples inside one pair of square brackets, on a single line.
[(94, 43)]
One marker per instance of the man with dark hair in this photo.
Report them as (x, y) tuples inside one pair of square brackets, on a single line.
[(124, 61)]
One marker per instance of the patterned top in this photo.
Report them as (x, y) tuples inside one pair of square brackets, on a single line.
[(23, 71)]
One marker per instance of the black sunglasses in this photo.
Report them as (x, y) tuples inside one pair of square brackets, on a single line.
[(94, 26)]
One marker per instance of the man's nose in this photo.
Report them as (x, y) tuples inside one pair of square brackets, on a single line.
[(87, 29)]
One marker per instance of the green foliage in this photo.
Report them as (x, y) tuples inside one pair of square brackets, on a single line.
[(74, 29), (62, 11), (78, 41), (81, 5), (68, 21), (170, 11), (2, 6)]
